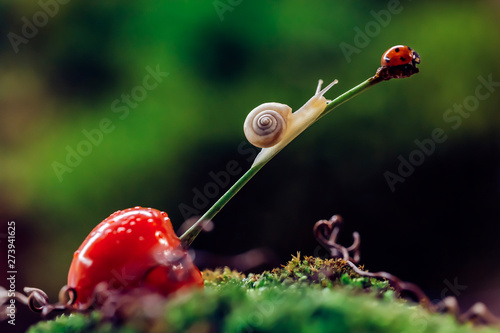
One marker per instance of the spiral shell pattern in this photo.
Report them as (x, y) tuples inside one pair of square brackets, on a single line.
[(266, 125)]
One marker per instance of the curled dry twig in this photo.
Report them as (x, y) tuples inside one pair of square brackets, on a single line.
[(37, 300), (113, 304), (326, 232)]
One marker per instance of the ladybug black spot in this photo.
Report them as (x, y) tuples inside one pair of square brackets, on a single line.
[(396, 49), (402, 58)]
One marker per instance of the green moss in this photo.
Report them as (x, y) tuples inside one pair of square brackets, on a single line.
[(306, 295)]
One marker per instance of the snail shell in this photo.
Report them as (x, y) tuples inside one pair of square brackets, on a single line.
[(266, 125)]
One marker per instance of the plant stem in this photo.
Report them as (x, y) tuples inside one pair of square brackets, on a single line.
[(188, 237), (348, 95)]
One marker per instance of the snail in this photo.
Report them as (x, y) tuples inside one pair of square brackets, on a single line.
[(271, 126)]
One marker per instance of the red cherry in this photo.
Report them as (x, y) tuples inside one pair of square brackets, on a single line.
[(132, 248)]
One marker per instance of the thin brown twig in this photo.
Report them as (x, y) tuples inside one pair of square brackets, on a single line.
[(326, 232)]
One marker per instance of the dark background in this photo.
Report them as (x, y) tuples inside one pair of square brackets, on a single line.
[(439, 227)]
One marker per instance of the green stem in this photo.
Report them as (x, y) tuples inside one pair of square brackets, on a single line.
[(348, 95), (188, 237)]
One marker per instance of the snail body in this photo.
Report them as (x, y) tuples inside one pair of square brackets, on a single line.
[(271, 126)]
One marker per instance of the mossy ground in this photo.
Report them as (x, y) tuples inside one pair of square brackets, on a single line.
[(307, 295)]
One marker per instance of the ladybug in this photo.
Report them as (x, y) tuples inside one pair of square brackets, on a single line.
[(400, 55), (135, 247)]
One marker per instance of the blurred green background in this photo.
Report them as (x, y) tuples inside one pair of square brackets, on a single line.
[(223, 59)]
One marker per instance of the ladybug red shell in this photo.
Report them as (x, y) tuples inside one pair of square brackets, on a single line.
[(135, 247), (400, 55)]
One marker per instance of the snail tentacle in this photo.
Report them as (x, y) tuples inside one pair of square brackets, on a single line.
[(272, 126), (325, 89)]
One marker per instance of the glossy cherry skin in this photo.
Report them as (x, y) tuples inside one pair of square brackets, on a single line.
[(135, 247)]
